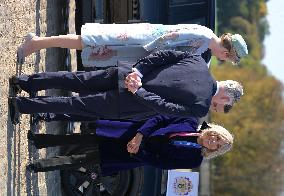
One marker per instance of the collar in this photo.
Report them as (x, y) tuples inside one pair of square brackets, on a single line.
[(204, 126)]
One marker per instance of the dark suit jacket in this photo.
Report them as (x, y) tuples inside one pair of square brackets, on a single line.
[(173, 83), (165, 155)]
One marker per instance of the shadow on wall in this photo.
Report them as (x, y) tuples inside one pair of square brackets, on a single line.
[(55, 60), (56, 23)]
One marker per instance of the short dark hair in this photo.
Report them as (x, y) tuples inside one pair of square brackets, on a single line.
[(227, 108)]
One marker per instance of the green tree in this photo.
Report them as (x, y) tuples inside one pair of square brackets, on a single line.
[(253, 167)]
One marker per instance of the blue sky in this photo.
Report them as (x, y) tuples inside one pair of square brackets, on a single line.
[(274, 43)]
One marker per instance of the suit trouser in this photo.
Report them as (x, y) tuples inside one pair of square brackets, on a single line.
[(66, 162), (81, 82), (69, 161), (101, 88), (49, 117), (101, 105)]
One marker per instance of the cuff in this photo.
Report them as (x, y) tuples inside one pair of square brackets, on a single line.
[(139, 92), (143, 132), (138, 72)]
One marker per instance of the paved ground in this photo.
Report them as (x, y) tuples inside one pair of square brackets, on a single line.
[(43, 17)]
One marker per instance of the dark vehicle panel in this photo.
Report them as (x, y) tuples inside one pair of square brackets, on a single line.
[(179, 12)]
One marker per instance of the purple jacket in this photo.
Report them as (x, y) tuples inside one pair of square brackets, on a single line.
[(164, 155)]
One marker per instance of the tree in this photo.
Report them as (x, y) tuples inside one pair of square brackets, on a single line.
[(253, 167)]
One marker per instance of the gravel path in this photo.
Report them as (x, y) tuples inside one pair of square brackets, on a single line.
[(49, 17)]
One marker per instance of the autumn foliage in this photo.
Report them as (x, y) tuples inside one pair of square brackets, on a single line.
[(255, 165)]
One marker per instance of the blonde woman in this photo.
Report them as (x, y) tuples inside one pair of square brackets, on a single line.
[(162, 141), (103, 44)]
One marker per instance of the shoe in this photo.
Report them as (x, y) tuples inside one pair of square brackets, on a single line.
[(14, 112), (31, 168), (32, 138), (14, 86), (20, 51), (30, 135)]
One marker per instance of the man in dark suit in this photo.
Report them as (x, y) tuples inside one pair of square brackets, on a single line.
[(174, 83), (165, 142)]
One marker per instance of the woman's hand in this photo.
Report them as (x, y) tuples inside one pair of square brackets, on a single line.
[(134, 144), (133, 82)]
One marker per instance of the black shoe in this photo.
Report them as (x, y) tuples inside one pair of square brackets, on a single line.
[(32, 139), (13, 109), (14, 86), (31, 135), (31, 168)]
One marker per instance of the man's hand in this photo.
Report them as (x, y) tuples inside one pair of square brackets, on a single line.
[(134, 144), (133, 82)]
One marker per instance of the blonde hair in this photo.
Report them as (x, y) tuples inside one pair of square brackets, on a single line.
[(223, 133), (226, 41)]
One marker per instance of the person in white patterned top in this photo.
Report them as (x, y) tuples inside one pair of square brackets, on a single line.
[(103, 44)]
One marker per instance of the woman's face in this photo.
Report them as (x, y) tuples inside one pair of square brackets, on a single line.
[(212, 142), (223, 54)]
